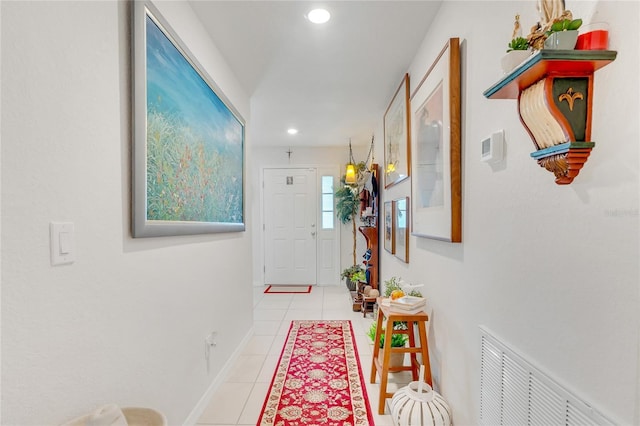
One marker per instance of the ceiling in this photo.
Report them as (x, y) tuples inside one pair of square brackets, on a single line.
[(332, 81)]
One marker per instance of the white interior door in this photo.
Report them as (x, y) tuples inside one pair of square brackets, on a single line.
[(290, 200)]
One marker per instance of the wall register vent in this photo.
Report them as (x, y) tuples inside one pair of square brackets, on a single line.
[(514, 392)]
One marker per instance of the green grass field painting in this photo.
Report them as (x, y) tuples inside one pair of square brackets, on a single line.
[(194, 142)]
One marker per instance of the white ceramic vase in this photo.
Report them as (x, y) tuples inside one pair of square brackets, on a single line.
[(562, 40), (409, 407), (513, 59)]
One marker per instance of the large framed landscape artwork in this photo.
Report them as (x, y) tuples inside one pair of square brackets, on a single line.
[(396, 136), (188, 142)]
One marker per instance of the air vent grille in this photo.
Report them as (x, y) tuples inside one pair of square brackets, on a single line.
[(514, 392)]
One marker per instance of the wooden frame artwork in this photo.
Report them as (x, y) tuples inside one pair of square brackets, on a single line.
[(401, 225), (436, 146), (389, 227), (188, 142), (397, 163)]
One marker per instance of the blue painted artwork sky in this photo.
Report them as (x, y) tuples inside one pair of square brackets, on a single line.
[(175, 88), (194, 142)]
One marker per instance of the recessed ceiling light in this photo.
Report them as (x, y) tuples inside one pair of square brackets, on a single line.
[(292, 131), (318, 16)]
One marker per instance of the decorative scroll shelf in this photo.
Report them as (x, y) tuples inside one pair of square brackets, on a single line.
[(554, 89)]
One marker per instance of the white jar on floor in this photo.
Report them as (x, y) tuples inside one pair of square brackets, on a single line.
[(410, 407)]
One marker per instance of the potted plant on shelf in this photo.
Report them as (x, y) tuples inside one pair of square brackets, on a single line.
[(394, 284), (563, 34), (397, 341), (518, 50), (353, 275)]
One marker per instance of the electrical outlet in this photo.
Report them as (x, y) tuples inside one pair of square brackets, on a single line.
[(212, 339), (209, 342)]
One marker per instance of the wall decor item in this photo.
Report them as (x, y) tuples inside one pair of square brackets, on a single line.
[(401, 228), (389, 219), (436, 147), (396, 136), (554, 90), (418, 404), (188, 153)]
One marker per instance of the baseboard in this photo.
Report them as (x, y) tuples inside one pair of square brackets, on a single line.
[(197, 411)]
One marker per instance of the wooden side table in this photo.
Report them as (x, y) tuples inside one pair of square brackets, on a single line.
[(382, 366), (368, 304)]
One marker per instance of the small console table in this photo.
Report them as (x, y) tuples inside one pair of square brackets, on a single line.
[(382, 366)]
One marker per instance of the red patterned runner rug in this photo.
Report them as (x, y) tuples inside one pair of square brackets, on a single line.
[(318, 379)]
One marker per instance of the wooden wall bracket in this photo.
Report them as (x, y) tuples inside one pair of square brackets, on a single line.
[(554, 89)]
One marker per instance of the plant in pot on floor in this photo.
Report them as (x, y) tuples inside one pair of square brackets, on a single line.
[(353, 275), (397, 341)]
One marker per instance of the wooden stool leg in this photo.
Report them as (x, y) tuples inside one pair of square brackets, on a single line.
[(424, 346), (413, 358), (376, 348), (386, 354)]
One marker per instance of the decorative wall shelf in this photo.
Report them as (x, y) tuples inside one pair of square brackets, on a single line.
[(554, 89)]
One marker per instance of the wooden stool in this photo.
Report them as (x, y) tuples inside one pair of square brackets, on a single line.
[(382, 368), (368, 304)]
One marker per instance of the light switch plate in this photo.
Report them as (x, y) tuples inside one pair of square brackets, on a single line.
[(63, 244)]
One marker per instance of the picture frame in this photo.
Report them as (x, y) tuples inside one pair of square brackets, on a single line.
[(436, 145), (401, 228), (389, 227), (188, 155), (397, 166)]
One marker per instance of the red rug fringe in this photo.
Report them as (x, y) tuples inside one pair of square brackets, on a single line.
[(297, 287)]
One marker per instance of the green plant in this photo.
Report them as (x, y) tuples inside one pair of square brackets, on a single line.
[(564, 25), (518, 43), (186, 180), (348, 201), (393, 283), (397, 340), (354, 273)]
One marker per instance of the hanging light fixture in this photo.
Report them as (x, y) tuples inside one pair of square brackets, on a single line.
[(350, 174), (350, 178)]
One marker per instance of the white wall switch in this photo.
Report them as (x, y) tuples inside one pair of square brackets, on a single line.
[(63, 245)]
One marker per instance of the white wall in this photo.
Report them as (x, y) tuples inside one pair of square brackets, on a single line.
[(552, 270), (126, 322)]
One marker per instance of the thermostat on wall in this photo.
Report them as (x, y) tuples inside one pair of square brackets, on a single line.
[(491, 147)]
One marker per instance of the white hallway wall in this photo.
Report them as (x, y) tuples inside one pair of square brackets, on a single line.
[(126, 322), (552, 270)]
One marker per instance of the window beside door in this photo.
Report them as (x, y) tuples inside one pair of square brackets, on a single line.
[(327, 202)]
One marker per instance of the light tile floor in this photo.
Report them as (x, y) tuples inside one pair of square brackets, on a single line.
[(238, 401)]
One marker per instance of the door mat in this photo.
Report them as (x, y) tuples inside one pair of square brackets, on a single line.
[(318, 379), (284, 289)]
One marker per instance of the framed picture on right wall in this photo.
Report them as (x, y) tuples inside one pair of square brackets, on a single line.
[(401, 228), (388, 232), (435, 144)]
